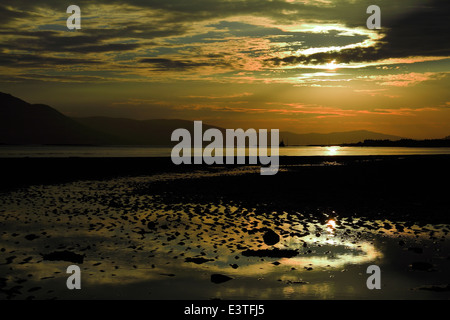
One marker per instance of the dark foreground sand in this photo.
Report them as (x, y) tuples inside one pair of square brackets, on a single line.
[(145, 229)]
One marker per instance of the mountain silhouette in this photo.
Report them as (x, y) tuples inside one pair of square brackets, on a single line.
[(22, 123), (156, 132)]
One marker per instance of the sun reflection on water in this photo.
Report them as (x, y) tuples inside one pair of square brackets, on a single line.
[(331, 226), (332, 151)]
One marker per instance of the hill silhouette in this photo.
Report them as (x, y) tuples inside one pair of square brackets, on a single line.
[(156, 132), (22, 123), (428, 143)]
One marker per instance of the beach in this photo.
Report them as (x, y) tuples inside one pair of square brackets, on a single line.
[(143, 228)]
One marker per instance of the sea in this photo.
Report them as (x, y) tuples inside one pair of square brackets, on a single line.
[(146, 151)]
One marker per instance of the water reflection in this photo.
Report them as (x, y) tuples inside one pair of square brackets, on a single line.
[(95, 219), (332, 151), (83, 151), (331, 226), (332, 250)]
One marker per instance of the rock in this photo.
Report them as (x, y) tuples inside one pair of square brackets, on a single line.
[(198, 260), (271, 238), (387, 226), (64, 256), (274, 253), (9, 260), (220, 278), (31, 237), (26, 260)]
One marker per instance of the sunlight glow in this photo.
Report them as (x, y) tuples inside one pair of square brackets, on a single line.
[(331, 227), (332, 65), (332, 151), (331, 224)]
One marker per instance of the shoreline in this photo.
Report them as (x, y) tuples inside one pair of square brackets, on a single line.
[(410, 187), (156, 231)]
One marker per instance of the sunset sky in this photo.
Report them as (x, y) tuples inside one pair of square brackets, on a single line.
[(297, 65)]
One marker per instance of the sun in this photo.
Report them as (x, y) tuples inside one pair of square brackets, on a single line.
[(332, 65)]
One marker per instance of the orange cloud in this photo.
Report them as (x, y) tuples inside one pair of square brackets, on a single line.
[(408, 79), (231, 96)]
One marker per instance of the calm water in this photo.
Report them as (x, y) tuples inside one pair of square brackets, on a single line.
[(125, 151)]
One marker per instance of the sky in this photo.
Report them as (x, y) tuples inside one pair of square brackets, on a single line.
[(294, 65)]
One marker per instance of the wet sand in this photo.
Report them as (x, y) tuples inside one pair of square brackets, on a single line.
[(145, 229)]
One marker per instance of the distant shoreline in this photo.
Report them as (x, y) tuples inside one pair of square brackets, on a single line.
[(403, 143)]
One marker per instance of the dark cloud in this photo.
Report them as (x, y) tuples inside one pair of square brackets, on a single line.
[(346, 11), (423, 32), (40, 43), (168, 64), (7, 14), (39, 61), (344, 56), (94, 40), (106, 48), (75, 46), (33, 77)]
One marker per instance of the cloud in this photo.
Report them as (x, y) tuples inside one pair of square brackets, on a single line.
[(169, 64), (422, 32), (214, 40), (229, 96), (321, 111), (407, 79), (135, 102), (26, 60), (8, 14)]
